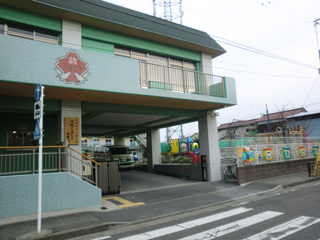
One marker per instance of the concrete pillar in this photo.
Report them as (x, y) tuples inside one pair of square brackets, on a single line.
[(118, 140), (153, 148), (209, 145), (71, 34), (206, 64)]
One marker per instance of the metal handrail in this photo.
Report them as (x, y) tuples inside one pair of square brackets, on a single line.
[(83, 155), (56, 161)]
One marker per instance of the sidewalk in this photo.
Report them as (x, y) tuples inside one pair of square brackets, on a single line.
[(134, 207)]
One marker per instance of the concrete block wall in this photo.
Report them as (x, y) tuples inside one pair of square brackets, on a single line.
[(193, 170), (264, 171)]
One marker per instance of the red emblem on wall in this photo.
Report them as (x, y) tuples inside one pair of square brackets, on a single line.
[(71, 68)]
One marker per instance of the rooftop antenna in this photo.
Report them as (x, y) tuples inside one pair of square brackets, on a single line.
[(167, 9)]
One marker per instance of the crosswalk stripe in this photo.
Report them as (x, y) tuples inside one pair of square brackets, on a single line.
[(186, 225), (234, 226), (285, 229)]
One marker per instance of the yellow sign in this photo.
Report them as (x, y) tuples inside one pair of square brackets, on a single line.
[(71, 130), (239, 152)]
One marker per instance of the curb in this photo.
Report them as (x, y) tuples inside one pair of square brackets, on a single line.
[(77, 232), (301, 182)]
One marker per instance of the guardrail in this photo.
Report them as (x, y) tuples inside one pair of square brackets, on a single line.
[(62, 159), (173, 79)]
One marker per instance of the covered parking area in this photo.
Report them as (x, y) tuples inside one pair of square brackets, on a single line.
[(104, 114)]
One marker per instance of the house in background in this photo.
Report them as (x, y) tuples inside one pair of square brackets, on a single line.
[(277, 119), (249, 128), (237, 129), (310, 121)]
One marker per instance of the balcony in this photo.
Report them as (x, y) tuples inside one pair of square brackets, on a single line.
[(173, 79)]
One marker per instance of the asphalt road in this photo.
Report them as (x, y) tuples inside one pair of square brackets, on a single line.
[(292, 213)]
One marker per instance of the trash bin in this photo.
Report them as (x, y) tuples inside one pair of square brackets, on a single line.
[(109, 177)]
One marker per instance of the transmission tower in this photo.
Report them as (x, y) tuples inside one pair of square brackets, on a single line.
[(316, 23), (174, 130), (170, 16), (167, 9)]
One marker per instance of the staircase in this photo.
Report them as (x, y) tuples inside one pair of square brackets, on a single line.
[(141, 141)]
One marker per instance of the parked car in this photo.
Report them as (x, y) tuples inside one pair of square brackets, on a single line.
[(117, 152), (123, 154)]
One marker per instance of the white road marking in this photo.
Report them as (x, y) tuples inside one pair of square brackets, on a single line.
[(234, 226), (240, 204), (285, 229), (187, 225), (101, 238)]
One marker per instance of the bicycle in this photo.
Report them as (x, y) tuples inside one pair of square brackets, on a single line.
[(230, 172)]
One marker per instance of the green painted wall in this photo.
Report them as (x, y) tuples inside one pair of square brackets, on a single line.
[(97, 46), (12, 121), (15, 15), (96, 39), (139, 44), (27, 104)]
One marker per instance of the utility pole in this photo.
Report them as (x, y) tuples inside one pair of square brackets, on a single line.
[(316, 23)]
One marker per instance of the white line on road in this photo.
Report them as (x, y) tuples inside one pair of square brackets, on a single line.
[(101, 238), (237, 205), (234, 226), (187, 225), (285, 229)]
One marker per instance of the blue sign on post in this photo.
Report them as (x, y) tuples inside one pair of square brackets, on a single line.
[(38, 92), (37, 131)]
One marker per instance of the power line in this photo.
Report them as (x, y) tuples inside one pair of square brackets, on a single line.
[(257, 51), (315, 81), (265, 70), (261, 73), (281, 13), (288, 7), (252, 29), (226, 41)]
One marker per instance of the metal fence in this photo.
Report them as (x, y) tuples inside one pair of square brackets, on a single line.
[(59, 159), (234, 142), (180, 80), (270, 152)]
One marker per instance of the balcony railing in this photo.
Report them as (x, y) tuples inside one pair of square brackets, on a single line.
[(180, 80)]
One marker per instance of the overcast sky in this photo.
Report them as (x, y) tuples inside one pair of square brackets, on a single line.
[(284, 28)]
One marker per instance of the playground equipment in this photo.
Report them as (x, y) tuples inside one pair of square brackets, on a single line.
[(187, 148)]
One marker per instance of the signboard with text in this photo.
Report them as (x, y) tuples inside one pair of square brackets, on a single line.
[(71, 130)]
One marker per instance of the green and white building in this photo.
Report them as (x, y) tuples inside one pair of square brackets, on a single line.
[(119, 72)]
